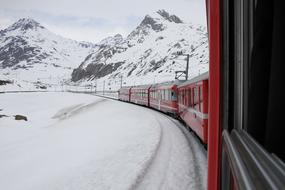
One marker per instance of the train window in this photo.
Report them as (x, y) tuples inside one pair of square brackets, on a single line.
[(253, 65), (173, 95), (195, 95), (189, 97), (166, 94), (201, 98), (181, 96), (201, 93), (196, 98), (185, 97)]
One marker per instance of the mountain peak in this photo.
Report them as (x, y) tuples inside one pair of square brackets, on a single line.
[(149, 20), (25, 24), (155, 20), (167, 16), (111, 40)]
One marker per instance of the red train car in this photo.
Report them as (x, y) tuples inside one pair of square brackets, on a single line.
[(125, 94), (163, 97), (140, 95), (193, 105)]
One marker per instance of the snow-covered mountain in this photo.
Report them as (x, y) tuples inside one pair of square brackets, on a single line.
[(30, 52), (147, 52)]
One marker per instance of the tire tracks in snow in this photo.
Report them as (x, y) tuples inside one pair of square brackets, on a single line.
[(146, 165), (75, 109)]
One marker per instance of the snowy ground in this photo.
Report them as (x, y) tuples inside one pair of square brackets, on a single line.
[(79, 141)]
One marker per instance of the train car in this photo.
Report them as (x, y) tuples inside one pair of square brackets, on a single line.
[(193, 105), (125, 94), (246, 100), (140, 95), (163, 97)]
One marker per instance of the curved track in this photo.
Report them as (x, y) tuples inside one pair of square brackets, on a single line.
[(178, 156)]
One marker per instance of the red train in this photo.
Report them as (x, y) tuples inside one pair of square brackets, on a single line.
[(125, 94), (140, 95), (187, 101), (163, 97), (193, 105), (239, 111)]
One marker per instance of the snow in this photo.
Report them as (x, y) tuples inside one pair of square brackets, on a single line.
[(80, 141)]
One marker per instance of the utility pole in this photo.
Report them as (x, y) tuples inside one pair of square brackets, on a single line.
[(95, 86), (179, 73), (104, 87), (187, 66), (121, 81)]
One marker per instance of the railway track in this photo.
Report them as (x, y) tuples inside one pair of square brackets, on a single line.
[(167, 158)]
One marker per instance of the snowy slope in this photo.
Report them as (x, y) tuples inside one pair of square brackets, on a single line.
[(30, 52), (79, 141), (148, 53)]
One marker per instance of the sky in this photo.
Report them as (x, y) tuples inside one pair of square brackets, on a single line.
[(93, 20)]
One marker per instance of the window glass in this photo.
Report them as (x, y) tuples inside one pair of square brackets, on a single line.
[(201, 93), (195, 95), (189, 97), (173, 95)]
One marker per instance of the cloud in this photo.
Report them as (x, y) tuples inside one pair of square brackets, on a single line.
[(5, 22), (89, 34)]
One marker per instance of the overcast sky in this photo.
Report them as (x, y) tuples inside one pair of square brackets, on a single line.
[(93, 20)]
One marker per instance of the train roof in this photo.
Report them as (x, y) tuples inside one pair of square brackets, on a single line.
[(170, 83), (201, 77), (142, 86), (126, 87)]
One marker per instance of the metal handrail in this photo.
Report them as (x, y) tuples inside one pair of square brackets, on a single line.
[(251, 165), (237, 166)]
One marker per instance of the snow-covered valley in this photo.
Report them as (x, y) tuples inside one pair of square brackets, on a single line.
[(32, 57), (79, 141)]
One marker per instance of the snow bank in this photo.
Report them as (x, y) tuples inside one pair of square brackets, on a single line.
[(97, 146)]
